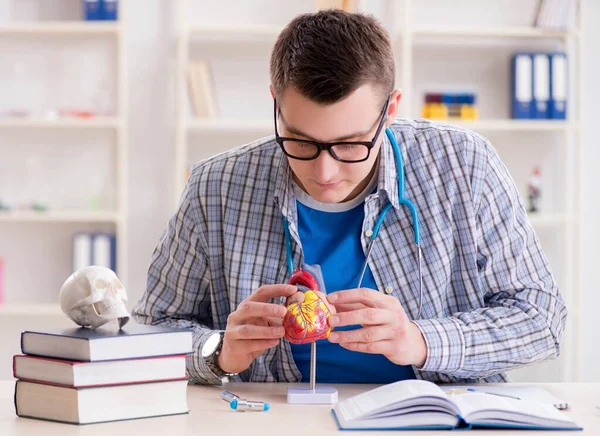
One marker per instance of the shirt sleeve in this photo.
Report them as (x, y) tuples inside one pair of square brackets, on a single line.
[(524, 314), (178, 285)]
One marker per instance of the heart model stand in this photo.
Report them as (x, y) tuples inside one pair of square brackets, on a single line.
[(312, 394)]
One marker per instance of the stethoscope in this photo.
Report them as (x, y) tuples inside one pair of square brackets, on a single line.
[(402, 200)]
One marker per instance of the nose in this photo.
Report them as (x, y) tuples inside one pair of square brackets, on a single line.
[(325, 167)]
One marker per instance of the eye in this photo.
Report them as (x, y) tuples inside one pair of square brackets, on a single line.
[(100, 284)]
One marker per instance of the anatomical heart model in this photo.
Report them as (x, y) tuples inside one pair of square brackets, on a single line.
[(306, 322), (93, 296)]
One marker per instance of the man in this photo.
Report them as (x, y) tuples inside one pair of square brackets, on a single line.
[(489, 302)]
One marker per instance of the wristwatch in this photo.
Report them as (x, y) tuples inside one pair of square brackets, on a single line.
[(210, 353)]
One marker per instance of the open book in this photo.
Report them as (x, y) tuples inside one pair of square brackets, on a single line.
[(419, 404)]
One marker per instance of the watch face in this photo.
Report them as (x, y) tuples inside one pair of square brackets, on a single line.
[(211, 344)]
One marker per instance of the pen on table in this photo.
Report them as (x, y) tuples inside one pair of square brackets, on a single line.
[(242, 405), (493, 393), (228, 396)]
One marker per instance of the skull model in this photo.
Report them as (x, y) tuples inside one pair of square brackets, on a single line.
[(93, 296)]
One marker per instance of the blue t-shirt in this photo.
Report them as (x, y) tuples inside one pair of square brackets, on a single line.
[(332, 240)]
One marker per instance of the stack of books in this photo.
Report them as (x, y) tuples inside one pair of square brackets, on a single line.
[(84, 376)]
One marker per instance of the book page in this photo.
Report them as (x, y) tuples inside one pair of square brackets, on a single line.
[(481, 407), (381, 398)]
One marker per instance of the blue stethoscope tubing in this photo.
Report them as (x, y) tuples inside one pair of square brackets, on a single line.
[(403, 201)]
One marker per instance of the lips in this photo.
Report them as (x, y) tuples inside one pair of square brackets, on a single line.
[(327, 185)]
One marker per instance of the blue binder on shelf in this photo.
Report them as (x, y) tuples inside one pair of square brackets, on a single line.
[(558, 70), (522, 86), (92, 10), (541, 85)]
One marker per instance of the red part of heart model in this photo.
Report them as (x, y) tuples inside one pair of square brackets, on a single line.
[(307, 321)]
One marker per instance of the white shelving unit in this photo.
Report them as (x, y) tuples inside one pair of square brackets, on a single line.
[(113, 32), (408, 37)]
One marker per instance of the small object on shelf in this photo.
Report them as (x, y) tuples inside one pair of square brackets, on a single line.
[(534, 190), (38, 206), (4, 207), (441, 106)]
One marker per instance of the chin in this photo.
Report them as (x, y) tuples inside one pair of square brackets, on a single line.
[(329, 196)]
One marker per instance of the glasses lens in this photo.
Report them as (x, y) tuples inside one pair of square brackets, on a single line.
[(351, 152), (300, 150)]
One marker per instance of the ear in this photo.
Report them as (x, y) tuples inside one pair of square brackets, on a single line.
[(395, 98), (272, 91)]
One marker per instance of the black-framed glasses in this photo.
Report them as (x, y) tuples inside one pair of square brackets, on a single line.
[(349, 152)]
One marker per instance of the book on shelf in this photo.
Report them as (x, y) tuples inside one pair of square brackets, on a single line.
[(100, 404), (420, 405), (84, 344), (201, 88), (76, 374), (556, 14)]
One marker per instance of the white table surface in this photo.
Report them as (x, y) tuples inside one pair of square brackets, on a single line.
[(211, 416)]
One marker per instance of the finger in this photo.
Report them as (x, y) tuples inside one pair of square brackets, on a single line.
[(253, 309), (249, 331), (254, 345), (379, 347), (366, 296), (363, 335), (298, 297), (323, 298), (348, 307), (368, 316), (266, 292)]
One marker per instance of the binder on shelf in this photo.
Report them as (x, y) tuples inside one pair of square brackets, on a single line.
[(557, 105), (201, 89), (110, 10), (82, 250), (94, 249), (104, 251), (92, 10), (541, 85), (522, 86)]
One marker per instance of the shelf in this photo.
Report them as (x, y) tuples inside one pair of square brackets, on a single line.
[(60, 28), (240, 33), (513, 125), (59, 216), (230, 125), (22, 309), (60, 123), (495, 32)]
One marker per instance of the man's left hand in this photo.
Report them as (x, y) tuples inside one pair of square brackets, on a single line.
[(385, 327)]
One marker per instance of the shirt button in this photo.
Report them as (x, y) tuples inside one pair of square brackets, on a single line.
[(369, 233), (389, 289)]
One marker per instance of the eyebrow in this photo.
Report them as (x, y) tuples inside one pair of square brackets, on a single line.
[(341, 138)]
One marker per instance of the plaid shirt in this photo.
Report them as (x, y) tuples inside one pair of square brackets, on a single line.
[(490, 301)]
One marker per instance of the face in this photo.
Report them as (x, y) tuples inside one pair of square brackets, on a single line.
[(355, 118)]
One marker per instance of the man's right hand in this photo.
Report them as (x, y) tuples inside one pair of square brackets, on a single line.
[(254, 327)]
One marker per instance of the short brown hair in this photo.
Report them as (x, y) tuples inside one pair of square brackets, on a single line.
[(329, 54)]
